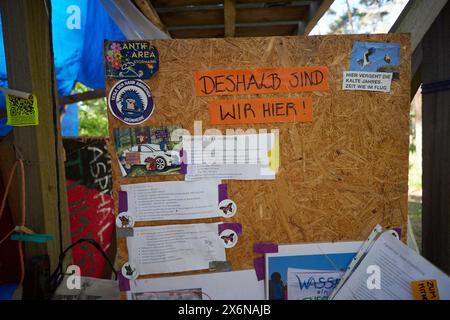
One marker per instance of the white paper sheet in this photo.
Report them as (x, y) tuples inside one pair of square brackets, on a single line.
[(231, 157), (175, 248), (234, 285), (367, 81), (306, 284), (172, 200), (398, 265)]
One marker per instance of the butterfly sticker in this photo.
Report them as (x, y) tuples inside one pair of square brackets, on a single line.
[(124, 220), (129, 271), (229, 238), (227, 208)]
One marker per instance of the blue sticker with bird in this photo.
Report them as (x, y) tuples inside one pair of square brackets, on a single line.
[(130, 60), (376, 57)]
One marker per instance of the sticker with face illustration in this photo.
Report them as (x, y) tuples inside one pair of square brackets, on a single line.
[(227, 208), (124, 220), (131, 101), (229, 238), (129, 271)]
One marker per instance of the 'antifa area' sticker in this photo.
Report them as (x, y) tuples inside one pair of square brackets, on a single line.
[(131, 101), (130, 60)]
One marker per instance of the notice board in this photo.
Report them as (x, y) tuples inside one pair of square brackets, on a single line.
[(343, 165)]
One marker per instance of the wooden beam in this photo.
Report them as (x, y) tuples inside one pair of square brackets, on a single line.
[(416, 18), (29, 60), (89, 95), (229, 12), (316, 14), (436, 146), (150, 13), (179, 3)]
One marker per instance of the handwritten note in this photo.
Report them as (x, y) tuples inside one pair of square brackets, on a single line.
[(261, 80), (260, 110)]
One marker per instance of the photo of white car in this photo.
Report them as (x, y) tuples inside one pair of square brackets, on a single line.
[(151, 156)]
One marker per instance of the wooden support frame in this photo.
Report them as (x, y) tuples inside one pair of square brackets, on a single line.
[(150, 13), (229, 11), (436, 146), (89, 95), (29, 58)]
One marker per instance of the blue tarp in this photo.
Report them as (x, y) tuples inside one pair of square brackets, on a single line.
[(79, 28)]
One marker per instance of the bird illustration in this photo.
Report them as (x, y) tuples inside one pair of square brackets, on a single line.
[(365, 61), (387, 58)]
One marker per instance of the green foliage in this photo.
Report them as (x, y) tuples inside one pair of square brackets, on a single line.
[(92, 115)]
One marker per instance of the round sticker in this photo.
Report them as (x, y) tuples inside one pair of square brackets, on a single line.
[(129, 271), (395, 234), (229, 238), (124, 220), (227, 208), (131, 101)]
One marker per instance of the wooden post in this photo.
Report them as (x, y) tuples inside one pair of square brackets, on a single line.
[(26, 31), (436, 144), (229, 10)]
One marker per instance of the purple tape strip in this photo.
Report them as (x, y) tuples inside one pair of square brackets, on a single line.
[(123, 201), (236, 227), (260, 268), (183, 159), (124, 283), (265, 248), (223, 192), (399, 231)]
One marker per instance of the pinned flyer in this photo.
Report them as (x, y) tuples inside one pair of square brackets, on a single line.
[(229, 238), (227, 208), (367, 81), (129, 271), (21, 112)]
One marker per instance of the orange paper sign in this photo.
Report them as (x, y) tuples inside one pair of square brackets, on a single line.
[(262, 80), (260, 110), (425, 290)]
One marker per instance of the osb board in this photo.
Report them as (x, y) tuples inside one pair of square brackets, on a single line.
[(339, 175)]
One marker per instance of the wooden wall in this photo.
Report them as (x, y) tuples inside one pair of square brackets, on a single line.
[(339, 175)]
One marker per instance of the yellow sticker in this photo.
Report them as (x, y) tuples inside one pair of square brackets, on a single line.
[(425, 290), (274, 155), (21, 112)]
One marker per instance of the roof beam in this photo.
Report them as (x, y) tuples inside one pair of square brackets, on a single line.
[(150, 13), (414, 20), (229, 12), (315, 13)]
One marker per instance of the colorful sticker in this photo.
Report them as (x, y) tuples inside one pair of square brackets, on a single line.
[(376, 57), (227, 208), (129, 271), (21, 112), (124, 220), (229, 238), (131, 101), (130, 60)]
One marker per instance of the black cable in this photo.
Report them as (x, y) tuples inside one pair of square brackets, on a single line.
[(55, 122), (58, 275)]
